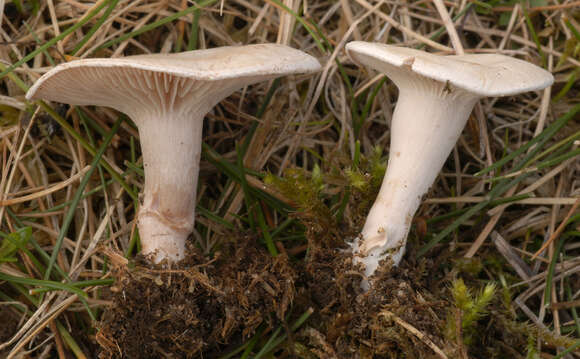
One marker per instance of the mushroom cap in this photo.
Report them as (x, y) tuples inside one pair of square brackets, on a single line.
[(481, 74), (67, 83)]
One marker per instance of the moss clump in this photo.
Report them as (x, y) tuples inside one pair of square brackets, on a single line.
[(305, 190), (469, 309)]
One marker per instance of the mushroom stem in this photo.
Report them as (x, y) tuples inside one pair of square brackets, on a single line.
[(171, 154), (427, 121)]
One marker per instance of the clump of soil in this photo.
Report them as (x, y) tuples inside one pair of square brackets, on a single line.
[(398, 318), (197, 306)]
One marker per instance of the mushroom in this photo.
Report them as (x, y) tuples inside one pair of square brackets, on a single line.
[(167, 96), (436, 96)]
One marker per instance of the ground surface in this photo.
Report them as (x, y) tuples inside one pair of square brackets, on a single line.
[(209, 308), (289, 170)]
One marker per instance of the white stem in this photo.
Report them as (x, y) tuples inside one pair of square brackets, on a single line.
[(171, 151), (428, 119)]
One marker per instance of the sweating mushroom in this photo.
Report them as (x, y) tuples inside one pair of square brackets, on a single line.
[(167, 96), (436, 96)]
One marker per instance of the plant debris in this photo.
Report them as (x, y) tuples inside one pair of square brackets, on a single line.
[(294, 164)]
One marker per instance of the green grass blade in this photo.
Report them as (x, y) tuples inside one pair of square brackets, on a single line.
[(87, 146), (95, 27), (81, 284), (551, 269), (568, 141), (540, 139), (213, 217), (571, 349), (570, 297), (43, 283), (49, 57), (54, 40), (558, 159), (569, 83), (442, 30), (156, 24), (44, 256), (259, 114), (251, 204), (534, 33), (276, 340), (71, 212), (250, 345), (266, 233), (572, 28), (192, 43), (504, 185), (500, 189), (69, 340)]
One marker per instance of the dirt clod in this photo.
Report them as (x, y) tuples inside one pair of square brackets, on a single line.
[(196, 307), (355, 323)]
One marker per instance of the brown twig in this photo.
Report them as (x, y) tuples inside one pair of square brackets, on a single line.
[(559, 230)]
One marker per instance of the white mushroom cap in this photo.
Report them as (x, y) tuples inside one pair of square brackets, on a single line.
[(109, 82), (481, 74)]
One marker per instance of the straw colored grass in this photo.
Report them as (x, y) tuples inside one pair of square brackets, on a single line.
[(306, 122)]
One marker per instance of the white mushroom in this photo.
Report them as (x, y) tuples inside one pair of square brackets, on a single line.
[(436, 96), (167, 96)]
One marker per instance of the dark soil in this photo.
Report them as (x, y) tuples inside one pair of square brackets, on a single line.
[(207, 307), (358, 324), (198, 307), (8, 325)]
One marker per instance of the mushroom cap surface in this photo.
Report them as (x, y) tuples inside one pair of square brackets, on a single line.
[(67, 83), (481, 74)]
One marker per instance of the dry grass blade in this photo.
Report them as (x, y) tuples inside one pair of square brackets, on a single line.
[(559, 230), (511, 256), (391, 316), (318, 136), (52, 189)]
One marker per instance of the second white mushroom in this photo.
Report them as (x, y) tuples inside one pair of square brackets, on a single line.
[(436, 96)]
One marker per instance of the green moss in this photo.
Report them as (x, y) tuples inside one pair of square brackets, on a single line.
[(471, 308), (305, 190), (365, 181), (322, 195)]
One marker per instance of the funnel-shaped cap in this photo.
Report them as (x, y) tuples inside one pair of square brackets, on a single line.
[(161, 82), (480, 74)]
